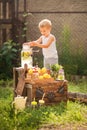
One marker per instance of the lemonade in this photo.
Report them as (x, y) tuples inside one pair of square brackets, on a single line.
[(26, 57)]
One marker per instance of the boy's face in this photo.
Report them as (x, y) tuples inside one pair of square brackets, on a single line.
[(45, 31)]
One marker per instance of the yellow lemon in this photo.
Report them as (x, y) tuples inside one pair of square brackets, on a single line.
[(26, 54), (46, 76), (30, 71), (40, 77), (44, 70), (40, 72)]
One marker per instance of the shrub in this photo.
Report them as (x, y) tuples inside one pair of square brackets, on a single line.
[(9, 56)]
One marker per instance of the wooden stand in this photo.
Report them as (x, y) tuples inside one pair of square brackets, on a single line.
[(55, 91)]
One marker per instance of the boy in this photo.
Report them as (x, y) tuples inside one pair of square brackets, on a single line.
[(47, 42)]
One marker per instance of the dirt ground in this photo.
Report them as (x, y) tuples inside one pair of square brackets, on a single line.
[(65, 127)]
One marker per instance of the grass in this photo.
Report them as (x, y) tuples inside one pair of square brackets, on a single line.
[(81, 87), (32, 119)]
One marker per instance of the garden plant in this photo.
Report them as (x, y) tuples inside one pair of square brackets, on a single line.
[(73, 115)]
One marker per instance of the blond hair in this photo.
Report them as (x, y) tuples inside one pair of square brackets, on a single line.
[(45, 23)]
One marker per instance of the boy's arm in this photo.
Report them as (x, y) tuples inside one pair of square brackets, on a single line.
[(33, 42), (36, 43), (39, 40)]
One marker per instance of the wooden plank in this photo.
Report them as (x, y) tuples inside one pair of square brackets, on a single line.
[(20, 85), (0, 37), (5, 21), (11, 8), (5, 26), (4, 9), (21, 81), (8, 32), (4, 35), (81, 97), (7, 10), (6, 0), (1, 10), (15, 80), (6, 15), (16, 8)]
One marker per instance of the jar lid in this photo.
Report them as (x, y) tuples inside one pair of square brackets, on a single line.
[(26, 47)]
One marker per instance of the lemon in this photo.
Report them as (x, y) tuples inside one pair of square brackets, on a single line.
[(26, 54), (41, 77), (30, 71), (46, 76), (43, 70)]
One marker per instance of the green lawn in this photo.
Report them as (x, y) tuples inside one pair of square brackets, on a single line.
[(81, 87), (31, 119)]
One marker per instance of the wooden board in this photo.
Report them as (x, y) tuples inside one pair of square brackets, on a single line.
[(20, 85), (81, 97), (55, 91), (21, 81)]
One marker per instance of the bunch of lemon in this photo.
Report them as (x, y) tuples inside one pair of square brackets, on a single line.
[(43, 74)]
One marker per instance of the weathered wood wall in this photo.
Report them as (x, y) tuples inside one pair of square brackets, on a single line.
[(11, 26), (6, 14)]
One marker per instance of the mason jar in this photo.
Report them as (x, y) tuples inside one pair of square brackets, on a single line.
[(26, 56)]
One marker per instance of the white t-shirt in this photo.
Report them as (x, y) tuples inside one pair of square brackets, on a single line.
[(51, 51)]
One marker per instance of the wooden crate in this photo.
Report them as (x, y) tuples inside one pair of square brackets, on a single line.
[(55, 91)]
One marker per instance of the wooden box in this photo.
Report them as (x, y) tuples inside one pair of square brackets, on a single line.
[(54, 91)]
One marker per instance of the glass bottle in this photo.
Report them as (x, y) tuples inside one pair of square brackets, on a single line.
[(26, 56), (61, 75)]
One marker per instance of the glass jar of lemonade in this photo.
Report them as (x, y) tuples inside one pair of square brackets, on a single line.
[(26, 56)]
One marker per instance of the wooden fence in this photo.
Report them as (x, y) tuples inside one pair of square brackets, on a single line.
[(6, 15), (10, 24)]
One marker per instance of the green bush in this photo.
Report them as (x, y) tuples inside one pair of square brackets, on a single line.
[(9, 57)]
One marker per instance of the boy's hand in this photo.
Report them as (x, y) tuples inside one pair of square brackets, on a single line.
[(28, 43), (33, 43)]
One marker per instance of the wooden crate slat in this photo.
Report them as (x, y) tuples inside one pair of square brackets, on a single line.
[(0, 37), (7, 10), (9, 14), (4, 9), (10, 10), (5, 26), (4, 35), (1, 15)]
